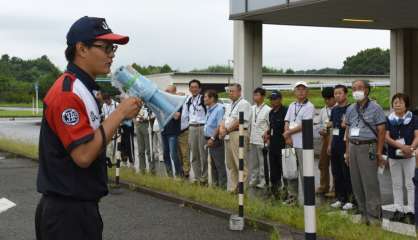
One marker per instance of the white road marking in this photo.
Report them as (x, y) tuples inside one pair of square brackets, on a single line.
[(6, 204)]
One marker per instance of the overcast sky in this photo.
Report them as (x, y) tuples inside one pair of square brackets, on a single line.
[(185, 34)]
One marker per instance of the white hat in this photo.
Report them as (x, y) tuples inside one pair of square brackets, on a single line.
[(303, 83)]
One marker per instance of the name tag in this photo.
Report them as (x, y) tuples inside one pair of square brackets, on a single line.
[(293, 125), (401, 141), (335, 132), (355, 132)]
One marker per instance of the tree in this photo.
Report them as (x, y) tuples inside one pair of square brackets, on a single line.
[(373, 61)]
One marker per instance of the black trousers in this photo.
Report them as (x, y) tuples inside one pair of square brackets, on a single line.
[(62, 219), (275, 159), (341, 174)]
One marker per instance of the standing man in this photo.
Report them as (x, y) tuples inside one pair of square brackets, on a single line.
[(301, 109), (195, 109), (337, 148), (109, 105), (324, 131), (72, 174), (259, 123), (169, 138), (274, 135), (215, 145), (144, 123), (183, 141), (366, 134), (229, 131)]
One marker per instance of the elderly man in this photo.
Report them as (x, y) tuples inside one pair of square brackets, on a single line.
[(215, 145), (229, 131), (301, 109), (366, 135)]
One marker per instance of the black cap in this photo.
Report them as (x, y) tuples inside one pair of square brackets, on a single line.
[(275, 95), (93, 28)]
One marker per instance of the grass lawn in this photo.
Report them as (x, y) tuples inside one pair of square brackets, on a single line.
[(12, 104), (18, 113), (335, 226)]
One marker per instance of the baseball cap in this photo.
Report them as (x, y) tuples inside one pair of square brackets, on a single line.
[(93, 28), (275, 95), (303, 83)]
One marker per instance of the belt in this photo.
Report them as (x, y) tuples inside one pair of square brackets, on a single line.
[(236, 130), (182, 131), (362, 142), (196, 125)]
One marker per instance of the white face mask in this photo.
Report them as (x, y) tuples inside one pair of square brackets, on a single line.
[(358, 95)]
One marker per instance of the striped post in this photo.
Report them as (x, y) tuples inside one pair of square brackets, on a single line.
[(308, 180), (241, 166), (118, 155)]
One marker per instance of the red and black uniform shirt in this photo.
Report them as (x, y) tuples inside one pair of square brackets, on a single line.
[(71, 115)]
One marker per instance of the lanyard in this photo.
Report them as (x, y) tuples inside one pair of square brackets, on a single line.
[(298, 111), (234, 105), (210, 112), (361, 111), (256, 113), (195, 106)]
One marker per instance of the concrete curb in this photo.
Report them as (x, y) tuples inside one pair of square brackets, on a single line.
[(284, 231)]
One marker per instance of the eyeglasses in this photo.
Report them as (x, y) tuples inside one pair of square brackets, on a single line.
[(108, 48)]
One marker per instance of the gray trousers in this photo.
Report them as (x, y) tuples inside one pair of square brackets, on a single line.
[(199, 158), (366, 188), (256, 164), (142, 137), (218, 164)]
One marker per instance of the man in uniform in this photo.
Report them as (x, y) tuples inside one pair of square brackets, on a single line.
[(72, 175), (365, 121)]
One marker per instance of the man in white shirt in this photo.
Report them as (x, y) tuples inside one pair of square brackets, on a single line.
[(299, 110), (109, 105), (144, 123), (229, 131), (259, 123), (195, 109), (325, 132)]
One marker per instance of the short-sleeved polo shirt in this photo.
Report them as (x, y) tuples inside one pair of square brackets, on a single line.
[(232, 113), (295, 114), (372, 113), (71, 115)]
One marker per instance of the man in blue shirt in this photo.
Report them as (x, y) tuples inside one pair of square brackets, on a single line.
[(214, 116)]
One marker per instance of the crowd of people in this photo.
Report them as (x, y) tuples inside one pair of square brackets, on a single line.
[(358, 142)]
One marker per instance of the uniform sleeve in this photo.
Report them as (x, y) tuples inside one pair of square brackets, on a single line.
[(379, 117), (68, 118)]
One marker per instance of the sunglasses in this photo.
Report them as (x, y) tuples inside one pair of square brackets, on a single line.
[(107, 48)]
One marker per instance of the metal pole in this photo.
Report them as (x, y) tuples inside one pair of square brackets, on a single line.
[(37, 96), (309, 180)]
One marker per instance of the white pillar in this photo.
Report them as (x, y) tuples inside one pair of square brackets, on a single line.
[(248, 55), (404, 63)]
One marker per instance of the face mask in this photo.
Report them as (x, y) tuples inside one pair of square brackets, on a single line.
[(358, 95)]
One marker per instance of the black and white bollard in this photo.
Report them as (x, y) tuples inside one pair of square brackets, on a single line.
[(309, 180), (236, 222)]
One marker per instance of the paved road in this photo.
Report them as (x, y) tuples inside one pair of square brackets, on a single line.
[(130, 215)]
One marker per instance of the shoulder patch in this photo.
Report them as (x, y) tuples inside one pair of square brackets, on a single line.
[(70, 117), (66, 85)]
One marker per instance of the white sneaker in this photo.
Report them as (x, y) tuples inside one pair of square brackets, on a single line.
[(348, 206), (337, 204)]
